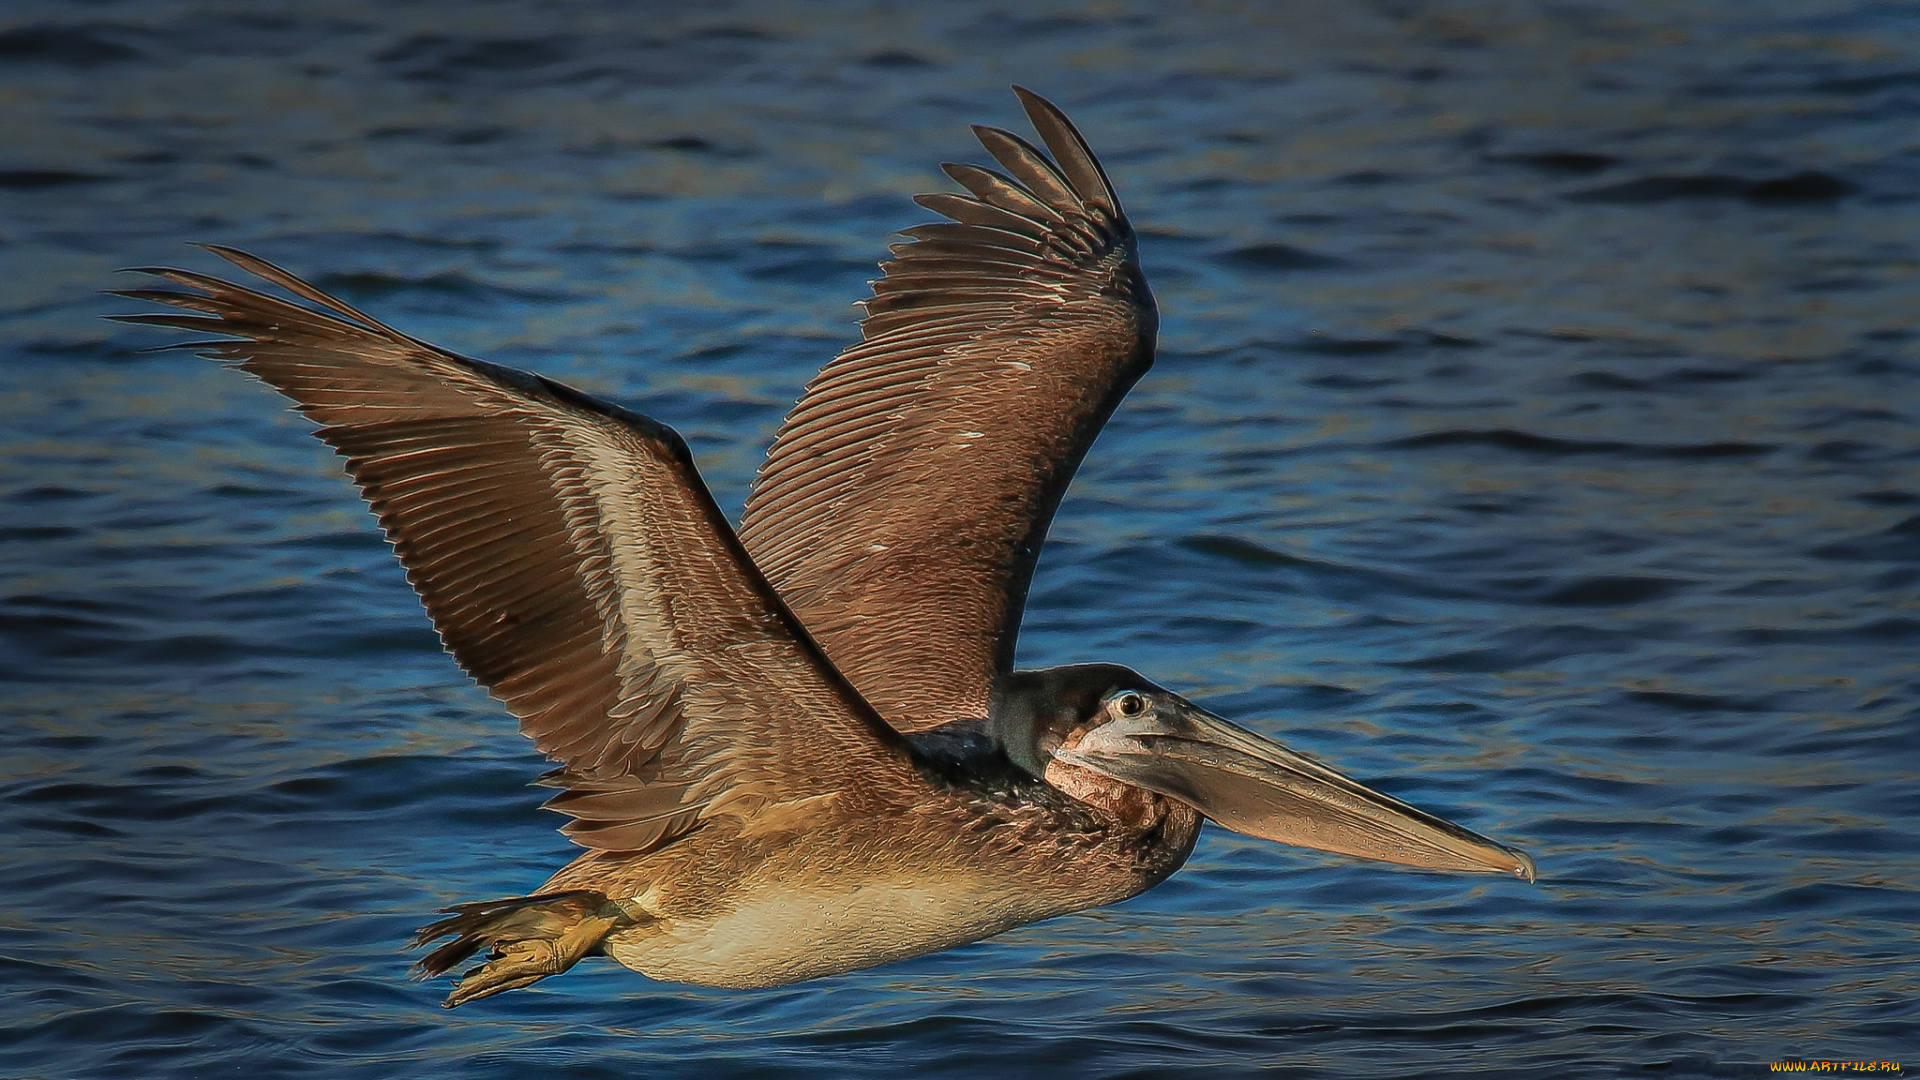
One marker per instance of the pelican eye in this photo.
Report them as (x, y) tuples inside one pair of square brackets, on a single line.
[(1127, 703)]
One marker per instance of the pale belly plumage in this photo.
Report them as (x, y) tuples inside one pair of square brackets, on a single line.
[(784, 937), (822, 902)]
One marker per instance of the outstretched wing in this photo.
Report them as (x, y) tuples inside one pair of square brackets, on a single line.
[(905, 499), (575, 565)]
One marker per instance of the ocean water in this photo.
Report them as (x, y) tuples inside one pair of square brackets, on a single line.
[(1533, 436)]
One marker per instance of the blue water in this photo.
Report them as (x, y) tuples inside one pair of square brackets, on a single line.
[(1533, 436)]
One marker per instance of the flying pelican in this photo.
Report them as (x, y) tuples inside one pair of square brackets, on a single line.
[(801, 749)]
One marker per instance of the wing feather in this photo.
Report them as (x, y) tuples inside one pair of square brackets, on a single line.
[(996, 190), (971, 211), (573, 563), (902, 505)]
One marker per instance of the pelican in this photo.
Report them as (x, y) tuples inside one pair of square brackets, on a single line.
[(801, 748)]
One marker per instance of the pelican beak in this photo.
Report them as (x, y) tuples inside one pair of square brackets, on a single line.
[(1255, 786)]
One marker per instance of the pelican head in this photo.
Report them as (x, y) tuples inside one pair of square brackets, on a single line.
[(1061, 724)]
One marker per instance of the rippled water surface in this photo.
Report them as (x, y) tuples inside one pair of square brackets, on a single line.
[(1533, 436)]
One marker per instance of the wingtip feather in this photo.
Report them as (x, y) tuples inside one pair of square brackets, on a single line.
[(1070, 149)]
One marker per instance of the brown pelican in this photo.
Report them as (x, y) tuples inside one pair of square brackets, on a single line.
[(801, 749)]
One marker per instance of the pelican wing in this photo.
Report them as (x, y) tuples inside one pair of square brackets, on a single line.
[(905, 498), (575, 565)]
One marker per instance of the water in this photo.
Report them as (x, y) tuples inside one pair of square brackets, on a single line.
[(1533, 436)]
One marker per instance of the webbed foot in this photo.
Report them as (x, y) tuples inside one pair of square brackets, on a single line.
[(528, 938)]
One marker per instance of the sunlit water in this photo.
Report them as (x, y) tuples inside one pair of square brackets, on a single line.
[(1533, 436)]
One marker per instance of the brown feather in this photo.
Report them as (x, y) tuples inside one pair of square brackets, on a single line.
[(990, 187), (971, 211), (903, 503), (573, 563)]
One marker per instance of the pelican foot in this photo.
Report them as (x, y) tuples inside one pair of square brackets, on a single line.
[(527, 939)]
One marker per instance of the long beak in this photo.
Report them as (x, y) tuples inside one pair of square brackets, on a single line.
[(1253, 785)]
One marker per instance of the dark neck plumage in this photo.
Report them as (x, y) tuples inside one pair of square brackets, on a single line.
[(966, 753)]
